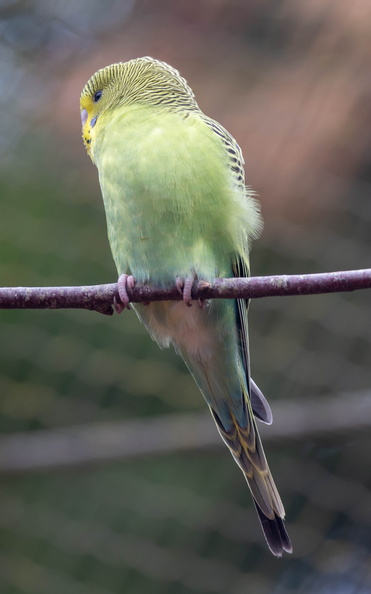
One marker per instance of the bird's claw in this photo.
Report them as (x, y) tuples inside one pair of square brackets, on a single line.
[(184, 287), (203, 303), (124, 283), (118, 307)]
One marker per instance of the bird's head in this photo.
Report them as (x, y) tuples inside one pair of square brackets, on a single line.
[(143, 81)]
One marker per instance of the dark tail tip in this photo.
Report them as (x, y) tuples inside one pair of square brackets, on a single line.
[(275, 533)]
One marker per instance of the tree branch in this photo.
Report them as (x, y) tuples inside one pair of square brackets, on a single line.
[(101, 297)]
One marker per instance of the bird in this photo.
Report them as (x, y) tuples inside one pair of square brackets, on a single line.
[(178, 212)]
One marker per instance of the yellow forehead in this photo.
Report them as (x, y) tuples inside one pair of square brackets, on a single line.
[(86, 102)]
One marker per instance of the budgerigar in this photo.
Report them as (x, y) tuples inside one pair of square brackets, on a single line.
[(177, 209)]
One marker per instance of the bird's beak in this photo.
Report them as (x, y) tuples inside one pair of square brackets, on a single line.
[(85, 130), (84, 116)]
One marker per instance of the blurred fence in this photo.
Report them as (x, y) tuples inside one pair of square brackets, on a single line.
[(112, 479)]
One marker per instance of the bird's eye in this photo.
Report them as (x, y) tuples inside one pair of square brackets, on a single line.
[(97, 96)]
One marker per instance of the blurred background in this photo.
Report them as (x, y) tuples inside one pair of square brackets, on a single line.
[(112, 479)]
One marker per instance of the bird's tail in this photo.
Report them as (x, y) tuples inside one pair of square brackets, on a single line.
[(246, 448)]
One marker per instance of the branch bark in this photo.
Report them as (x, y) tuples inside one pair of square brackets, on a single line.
[(101, 297)]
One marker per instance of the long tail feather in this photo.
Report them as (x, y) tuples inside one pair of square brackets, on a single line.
[(246, 448), (275, 533)]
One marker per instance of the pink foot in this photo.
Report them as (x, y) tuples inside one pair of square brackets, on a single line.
[(203, 303), (184, 287), (124, 283)]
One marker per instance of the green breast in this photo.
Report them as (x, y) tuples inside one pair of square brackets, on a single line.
[(168, 193)]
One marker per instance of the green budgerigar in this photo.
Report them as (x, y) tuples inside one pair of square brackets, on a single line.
[(177, 210)]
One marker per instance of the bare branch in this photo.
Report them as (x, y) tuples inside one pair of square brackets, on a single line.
[(93, 297), (118, 440), (100, 297)]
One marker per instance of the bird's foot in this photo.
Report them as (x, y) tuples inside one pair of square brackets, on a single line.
[(203, 303), (184, 287), (124, 283)]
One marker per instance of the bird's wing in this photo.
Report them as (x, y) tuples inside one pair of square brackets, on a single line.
[(244, 441), (259, 403), (260, 406), (233, 152)]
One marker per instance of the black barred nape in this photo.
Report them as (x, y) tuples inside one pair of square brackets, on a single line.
[(142, 80)]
